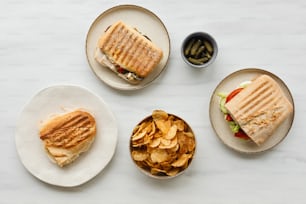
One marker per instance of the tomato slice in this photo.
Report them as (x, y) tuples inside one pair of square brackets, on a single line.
[(228, 117), (121, 70), (228, 98), (233, 94), (242, 135)]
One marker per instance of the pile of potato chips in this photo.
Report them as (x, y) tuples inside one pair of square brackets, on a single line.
[(162, 144)]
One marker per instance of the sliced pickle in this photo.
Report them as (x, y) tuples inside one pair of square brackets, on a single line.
[(188, 48), (208, 47), (200, 51), (198, 61), (195, 47)]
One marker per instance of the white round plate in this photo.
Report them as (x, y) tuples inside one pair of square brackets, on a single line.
[(58, 100), (146, 22), (221, 127)]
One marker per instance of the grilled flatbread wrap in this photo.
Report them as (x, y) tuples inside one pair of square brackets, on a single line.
[(66, 136), (260, 108), (127, 52)]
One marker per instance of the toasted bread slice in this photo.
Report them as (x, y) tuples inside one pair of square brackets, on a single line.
[(66, 136), (129, 49), (260, 108)]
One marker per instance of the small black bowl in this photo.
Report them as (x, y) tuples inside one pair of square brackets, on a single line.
[(199, 50)]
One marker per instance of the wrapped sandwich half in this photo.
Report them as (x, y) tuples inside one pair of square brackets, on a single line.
[(256, 109), (127, 52)]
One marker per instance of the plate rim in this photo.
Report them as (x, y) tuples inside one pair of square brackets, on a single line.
[(71, 184), (259, 70), (130, 6)]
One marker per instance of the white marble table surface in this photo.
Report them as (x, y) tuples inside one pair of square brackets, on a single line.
[(42, 43)]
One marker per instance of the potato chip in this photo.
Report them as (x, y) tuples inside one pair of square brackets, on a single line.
[(153, 130), (163, 125), (180, 125), (149, 162), (158, 134), (162, 144), (182, 160), (140, 127), (140, 155), (189, 142), (138, 143), (147, 139), (175, 148), (156, 171), (165, 142), (170, 145), (173, 172), (166, 165), (155, 142), (189, 134), (139, 135), (159, 155), (186, 142), (171, 133), (159, 115)]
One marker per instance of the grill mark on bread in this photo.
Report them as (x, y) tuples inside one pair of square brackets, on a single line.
[(247, 99), (75, 121), (142, 63), (130, 49), (258, 99), (139, 62), (132, 53), (115, 48), (127, 53), (120, 48), (118, 33), (125, 58), (72, 120), (108, 38), (67, 139), (82, 135), (253, 100), (72, 129), (153, 59), (268, 102)]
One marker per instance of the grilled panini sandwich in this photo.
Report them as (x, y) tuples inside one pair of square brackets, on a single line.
[(66, 136), (260, 108), (127, 52)]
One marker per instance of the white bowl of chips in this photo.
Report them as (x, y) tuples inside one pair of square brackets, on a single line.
[(162, 145)]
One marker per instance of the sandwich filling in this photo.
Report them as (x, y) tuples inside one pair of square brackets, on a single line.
[(106, 61), (224, 98)]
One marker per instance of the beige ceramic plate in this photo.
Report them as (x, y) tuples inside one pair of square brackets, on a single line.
[(146, 22), (221, 127), (57, 100)]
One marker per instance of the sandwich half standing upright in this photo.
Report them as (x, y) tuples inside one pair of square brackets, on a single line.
[(256, 109), (127, 52)]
